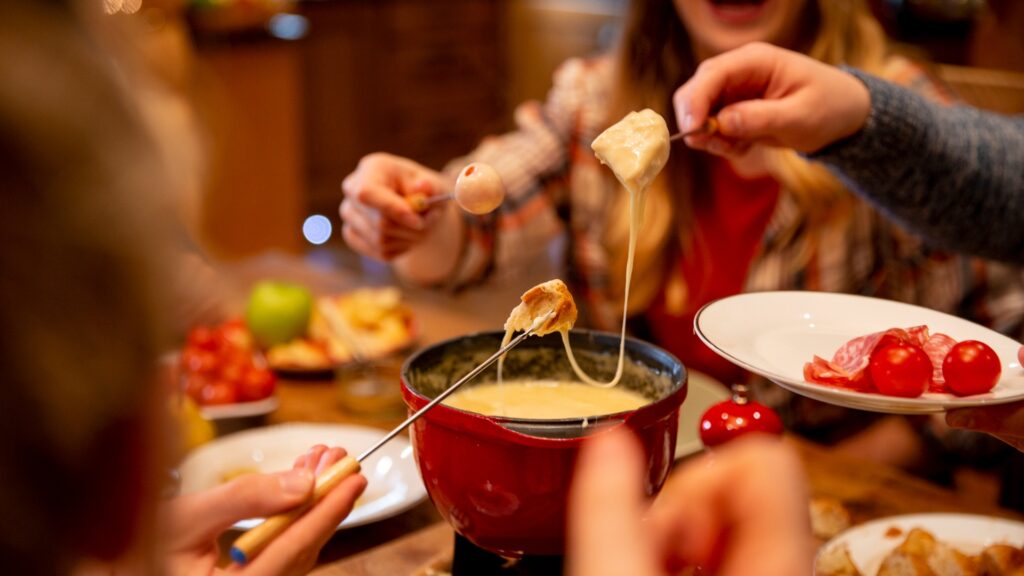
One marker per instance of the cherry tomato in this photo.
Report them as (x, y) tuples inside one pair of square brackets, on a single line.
[(217, 366), (233, 371), (971, 367), (900, 369), (194, 384), (199, 361), (218, 392), (236, 336), (203, 338), (256, 384)]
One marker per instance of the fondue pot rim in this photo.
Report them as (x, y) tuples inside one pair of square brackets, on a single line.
[(591, 420)]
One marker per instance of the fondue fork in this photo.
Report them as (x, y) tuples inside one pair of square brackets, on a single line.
[(420, 203), (248, 545), (709, 127)]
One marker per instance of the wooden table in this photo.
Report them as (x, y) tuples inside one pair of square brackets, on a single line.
[(403, 544)]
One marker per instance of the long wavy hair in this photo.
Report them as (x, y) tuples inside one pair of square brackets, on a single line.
[(654, 57)]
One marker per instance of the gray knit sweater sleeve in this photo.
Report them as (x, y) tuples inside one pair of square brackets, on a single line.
[(953, 175)]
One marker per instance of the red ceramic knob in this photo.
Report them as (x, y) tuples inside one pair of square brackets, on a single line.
[(735, 417)]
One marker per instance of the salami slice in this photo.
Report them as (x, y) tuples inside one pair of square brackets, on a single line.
[(937, 347), (848, 367), (823, 371), (853, 357), (918, 335)]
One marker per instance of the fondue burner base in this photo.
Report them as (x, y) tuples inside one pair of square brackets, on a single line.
[(471, 560)]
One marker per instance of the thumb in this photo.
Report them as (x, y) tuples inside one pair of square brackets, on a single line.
[(606, 506), (199, 518)]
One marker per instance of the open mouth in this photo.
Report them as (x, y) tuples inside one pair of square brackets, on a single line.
[(737, 11), (737, 2)]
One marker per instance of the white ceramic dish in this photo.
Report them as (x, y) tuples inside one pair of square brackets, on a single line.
[(702, 392), (775, 333), (869, 543), (394, 481), (240, 409)]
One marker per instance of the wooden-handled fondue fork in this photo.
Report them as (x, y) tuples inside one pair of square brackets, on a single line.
[(250, 544)]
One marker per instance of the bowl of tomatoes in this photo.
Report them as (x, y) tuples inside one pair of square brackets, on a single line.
[(223, 371)]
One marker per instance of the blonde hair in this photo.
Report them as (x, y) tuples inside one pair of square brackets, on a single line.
[(654, 58)]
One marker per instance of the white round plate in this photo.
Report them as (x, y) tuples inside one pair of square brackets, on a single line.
[(240, 409), (702, 392), (869, 545), (775, 333), (394, 480)]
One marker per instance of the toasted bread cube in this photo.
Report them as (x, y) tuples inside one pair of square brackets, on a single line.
[(900, 563), (945, 560), (1001, 560), (835, 561), (551, 296)]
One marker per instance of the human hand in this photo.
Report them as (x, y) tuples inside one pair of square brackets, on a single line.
[(193, 523), (1005, 421), (378, 220), (741, 510), (763, 93)]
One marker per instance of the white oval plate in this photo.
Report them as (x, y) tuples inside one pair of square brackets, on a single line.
[(394, 480), (775, 333), (968, 533), (702, 392)]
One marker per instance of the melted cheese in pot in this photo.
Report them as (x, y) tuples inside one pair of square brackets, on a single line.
[(545, 399)]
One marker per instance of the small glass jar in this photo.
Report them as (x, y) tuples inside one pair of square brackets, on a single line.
[(371, 388)]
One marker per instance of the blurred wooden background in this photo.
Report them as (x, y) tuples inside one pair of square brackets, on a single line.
[(287, 107)]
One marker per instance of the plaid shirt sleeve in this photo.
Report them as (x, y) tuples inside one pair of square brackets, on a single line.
[(533, 162)]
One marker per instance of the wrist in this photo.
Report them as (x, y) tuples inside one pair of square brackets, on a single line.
[(434, 259), (859, 105)]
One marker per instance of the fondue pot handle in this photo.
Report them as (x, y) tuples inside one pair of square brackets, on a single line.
[(254, 541)]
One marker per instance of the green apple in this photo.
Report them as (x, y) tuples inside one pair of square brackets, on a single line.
[(278, 312)]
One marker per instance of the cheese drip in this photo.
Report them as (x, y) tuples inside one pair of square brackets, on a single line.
[(636, 149)]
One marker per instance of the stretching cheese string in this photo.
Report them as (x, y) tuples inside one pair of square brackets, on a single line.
[(639, 144), (635, 214)]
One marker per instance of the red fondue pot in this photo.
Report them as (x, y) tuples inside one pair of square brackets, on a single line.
[(502, 482)]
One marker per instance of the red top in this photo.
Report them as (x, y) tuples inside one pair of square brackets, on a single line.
[(730, 225)]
